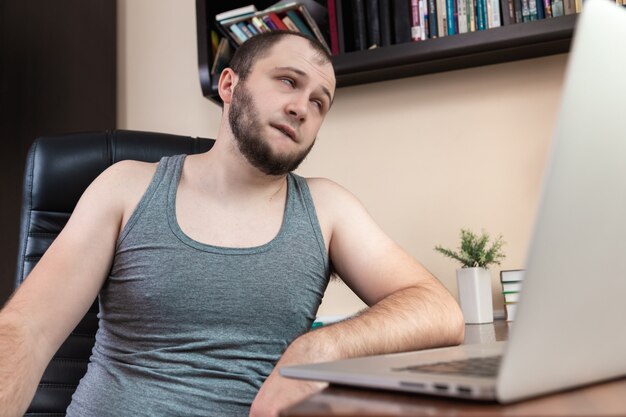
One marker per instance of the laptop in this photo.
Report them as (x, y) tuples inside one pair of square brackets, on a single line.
[(569, 327)]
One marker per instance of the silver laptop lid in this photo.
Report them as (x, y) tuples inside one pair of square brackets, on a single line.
[(569, 324)]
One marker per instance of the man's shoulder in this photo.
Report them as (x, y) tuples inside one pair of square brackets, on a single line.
[(124, 180), (328, 194)]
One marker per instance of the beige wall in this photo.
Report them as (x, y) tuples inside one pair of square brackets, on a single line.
[(426, 155)]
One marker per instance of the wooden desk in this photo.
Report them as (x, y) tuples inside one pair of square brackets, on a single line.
[(600, 399)]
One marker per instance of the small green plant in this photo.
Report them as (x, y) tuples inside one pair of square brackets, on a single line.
[(473, 251)]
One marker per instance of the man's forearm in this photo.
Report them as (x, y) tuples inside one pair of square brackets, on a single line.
[(413, 318), (19, 372)]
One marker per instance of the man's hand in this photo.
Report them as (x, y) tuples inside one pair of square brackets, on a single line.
[(277, 392)]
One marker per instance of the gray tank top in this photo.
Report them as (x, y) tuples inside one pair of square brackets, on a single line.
[(190, 329)]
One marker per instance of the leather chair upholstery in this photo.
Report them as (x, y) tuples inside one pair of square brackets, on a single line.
[(58, 170)]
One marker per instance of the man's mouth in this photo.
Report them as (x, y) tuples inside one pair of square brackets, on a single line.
[(286, 130)]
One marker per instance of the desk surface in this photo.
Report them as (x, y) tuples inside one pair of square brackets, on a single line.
[(600, 399)]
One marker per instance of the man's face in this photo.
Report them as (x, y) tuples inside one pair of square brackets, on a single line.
[(276, 113)]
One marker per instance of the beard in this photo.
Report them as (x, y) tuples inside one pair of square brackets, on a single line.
[(244, 122)]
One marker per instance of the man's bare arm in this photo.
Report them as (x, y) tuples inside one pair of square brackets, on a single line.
[(61, 288), (410, 309)]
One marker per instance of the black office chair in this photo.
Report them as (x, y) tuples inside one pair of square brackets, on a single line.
[(58, 170)]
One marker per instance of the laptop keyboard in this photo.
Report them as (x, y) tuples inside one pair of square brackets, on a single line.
[(483, 367)]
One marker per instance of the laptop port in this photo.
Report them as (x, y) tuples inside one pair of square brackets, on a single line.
[(440, 387), (463, 390)]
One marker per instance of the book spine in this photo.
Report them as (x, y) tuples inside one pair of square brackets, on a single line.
[(270, 24), (557, 8), (462, 15), (332, 27), (424, 19), (547, 7), (442, 25), (312, 25), (541, 13), (340, 28), (260, 24), (525, 11), (252, 29), (433, 28), (450, 15), (290, 25), (293, 15), (496, 20), (358, 14), (236, 30), (508, 15), (519, 11), (471, 15), (532, 9), (570, 7), (480, 14), (384, 14), (373, 24), (279, 23), (579, 5), (401, 21), (416, 29)]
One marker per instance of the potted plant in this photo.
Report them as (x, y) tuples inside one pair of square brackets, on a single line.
[(473, 278)]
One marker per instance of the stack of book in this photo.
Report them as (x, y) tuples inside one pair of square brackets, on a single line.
[(511, 286), (241, 24)]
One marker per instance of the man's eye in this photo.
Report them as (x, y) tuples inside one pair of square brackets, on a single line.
[(318, 104), (288, 81)]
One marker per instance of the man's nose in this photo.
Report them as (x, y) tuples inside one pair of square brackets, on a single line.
[(297, 107)]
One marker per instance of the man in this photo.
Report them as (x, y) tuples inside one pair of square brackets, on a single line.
[(210, 267)]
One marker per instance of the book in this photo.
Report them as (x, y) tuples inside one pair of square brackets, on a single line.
[(290, 25), (511, 309), (222, 57), (495, 21), (532, 9), (512, 275), (340, 26), (280, 25), (511, 297), (332, 27), (240, 37), (423, 8), (384, 17), (541, 13), (433, 29), (450, 12), (557, 8), (302, 27), (569, 6), (508, 12), (244, 28), (269, 22), (272, 20), (401, 18), (358, 18), (462, 15), (442, 19), (511, 286), (481, 14), (372, 23), (471, 15), (518, 10), (238, 12), (525, 11), (547, 8), (416, 21)]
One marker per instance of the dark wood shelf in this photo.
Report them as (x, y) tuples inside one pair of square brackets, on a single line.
[(504, 44)]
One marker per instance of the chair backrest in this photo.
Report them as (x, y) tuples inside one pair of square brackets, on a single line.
[(58, 170)]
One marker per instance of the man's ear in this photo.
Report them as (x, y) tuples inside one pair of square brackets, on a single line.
[(226, 84)]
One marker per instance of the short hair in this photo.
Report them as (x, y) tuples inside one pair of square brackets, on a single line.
[(259, 46)]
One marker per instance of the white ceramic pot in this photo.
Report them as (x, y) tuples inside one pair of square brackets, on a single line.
[(475, 297)]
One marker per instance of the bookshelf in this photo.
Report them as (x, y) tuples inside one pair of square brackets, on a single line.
[(507, 43)]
